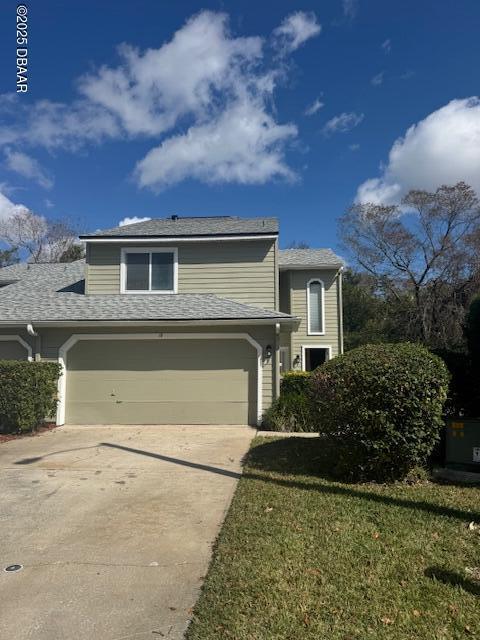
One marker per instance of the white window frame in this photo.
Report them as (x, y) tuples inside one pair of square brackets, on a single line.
[(328, 348), (309, 332), (149, 250), (287, 351)]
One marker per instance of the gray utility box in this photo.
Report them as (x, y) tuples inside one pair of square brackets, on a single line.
[(463, 443)]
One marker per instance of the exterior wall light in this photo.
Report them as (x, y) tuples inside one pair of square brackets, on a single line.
[(268, 351)]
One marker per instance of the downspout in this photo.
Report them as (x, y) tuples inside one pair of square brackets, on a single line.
[(31, 332), (340, 310), (277, 361)]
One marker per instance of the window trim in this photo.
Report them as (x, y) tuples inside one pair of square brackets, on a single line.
[(326, 347), (149, 250), (309, 332), (287, 351)]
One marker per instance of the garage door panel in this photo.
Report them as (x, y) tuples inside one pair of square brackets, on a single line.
[(170, 413), (231, 386), (161, 382), (147, 355)]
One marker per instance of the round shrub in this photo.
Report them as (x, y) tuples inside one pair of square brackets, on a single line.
[(382, 407)]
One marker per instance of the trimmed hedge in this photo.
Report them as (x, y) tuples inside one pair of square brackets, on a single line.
[(292, 411), (295, 382), (27, 394), (382, 407)]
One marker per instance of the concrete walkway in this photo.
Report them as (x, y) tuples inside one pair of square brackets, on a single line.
[(113, 526)]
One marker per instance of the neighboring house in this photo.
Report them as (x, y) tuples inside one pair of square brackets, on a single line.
[(175, 320)]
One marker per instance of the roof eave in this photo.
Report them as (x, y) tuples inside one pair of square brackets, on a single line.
[(146, 323), (181, 237), (304, 267)]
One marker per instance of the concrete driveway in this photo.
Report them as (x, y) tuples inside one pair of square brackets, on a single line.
[(114, 528)]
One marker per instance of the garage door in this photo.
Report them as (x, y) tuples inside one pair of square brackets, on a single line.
[(12, 350), (181, 381)]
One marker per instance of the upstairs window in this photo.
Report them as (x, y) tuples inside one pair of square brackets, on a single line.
[(149, 271), (315, 307)]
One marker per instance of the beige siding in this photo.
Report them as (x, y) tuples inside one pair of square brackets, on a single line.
[(52, 340), (240, 270), (295, 284), (285, 304), (12, 350)]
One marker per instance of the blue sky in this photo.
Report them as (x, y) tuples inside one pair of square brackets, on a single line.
[(238, 108)]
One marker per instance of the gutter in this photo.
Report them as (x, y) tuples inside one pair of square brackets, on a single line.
[(155, 323), (340, 309), (31, 331), (159, 239)]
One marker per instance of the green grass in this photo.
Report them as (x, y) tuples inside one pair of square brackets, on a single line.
[(303, 557)]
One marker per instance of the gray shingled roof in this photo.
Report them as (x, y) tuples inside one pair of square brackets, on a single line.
[(55, 292), (13, 272), (185, 226), (308, 258)]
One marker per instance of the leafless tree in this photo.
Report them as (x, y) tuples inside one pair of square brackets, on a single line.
[(41, 240), (301, 244), (423, 253), (8, 257)]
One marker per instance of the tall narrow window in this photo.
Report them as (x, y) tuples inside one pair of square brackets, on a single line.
[(315, 309)]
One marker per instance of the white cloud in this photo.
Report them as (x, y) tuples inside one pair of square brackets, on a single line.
[(350, 8), (27, 167), (188, 91), (444, 148), (49, 204), (354, 147), (342, 123), (295, 30), (244, 145), (314, 107), (150, 91), (387, 45), (132, 220), (377, 80), (55, 125), (8, 208)]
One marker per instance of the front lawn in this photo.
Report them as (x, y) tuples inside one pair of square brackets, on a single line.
[(303, 557)]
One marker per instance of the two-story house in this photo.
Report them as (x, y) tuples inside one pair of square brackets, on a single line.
[(177, 320)]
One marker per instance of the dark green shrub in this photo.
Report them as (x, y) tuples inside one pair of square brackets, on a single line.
[(472, 330), (27, 394), (295, 382), (464, 390), (382, 406), (290, 412)]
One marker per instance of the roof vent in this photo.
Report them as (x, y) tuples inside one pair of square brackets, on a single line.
[(174, 217)]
